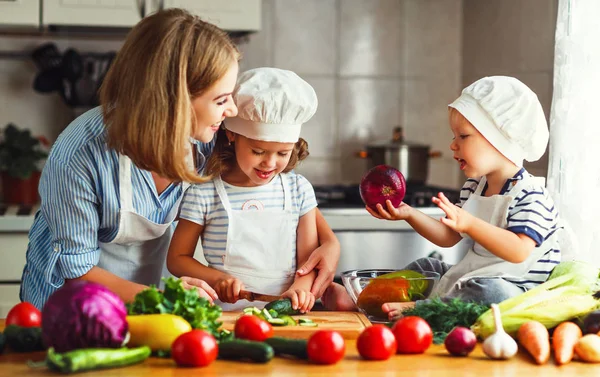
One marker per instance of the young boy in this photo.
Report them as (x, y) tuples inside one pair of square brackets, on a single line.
[(505, 212)]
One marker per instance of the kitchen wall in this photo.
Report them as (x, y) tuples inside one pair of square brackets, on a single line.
[(513, 38), (375, 64)]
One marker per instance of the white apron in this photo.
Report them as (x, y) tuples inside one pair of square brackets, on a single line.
[(138, 252), (259, 248), (478, 262)]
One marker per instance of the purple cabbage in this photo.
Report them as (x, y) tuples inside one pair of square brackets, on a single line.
[(83, 314)]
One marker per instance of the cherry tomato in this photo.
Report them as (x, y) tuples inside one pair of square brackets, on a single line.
[(376, 342), (195, 348), (326, 347), (413, 334), (252, 328), (24, 314)]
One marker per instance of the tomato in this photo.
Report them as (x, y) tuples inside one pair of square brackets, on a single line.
[(252, 328), (195, 348), (376, 342), (413, 334), (24, 314), (326, 347)]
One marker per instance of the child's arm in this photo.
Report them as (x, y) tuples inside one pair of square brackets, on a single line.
[(307, 240), (503, 243), (428, 227), (181, 262)]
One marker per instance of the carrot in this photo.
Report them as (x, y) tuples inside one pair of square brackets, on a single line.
[(565, 337), (535, 338)]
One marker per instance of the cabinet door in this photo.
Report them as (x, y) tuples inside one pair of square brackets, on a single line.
[(20, 12), (117, 13), (228, 15)]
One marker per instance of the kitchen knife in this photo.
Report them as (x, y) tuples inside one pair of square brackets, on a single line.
[(251, 296)]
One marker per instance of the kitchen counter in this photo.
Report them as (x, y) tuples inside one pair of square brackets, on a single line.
[(359, 219), (435, 362)]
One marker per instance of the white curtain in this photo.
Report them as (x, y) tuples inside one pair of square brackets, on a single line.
[(574, 171)]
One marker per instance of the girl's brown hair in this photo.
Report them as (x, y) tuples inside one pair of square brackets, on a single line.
[(222, 160), (167, 60)]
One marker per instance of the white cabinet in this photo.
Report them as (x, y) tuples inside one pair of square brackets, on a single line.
[(20, 12), (228, 15), (98, 13)]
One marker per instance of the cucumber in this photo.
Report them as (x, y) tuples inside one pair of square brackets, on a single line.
[(276, 321), (288, 346), (289, 321), (24, 339), (241, 349), (2, 342), (282, 306)]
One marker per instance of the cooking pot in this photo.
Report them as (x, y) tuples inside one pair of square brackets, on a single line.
[(411, 159)]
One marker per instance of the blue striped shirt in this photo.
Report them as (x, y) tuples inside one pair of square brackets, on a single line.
[(201, 204), (79, 189), (531, 212)]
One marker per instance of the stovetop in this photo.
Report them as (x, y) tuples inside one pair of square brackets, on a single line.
[(348, 196)]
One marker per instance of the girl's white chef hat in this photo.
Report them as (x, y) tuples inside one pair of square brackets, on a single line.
[(508, 114), (272, 105)]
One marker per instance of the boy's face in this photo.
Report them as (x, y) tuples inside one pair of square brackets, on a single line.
[(476, 156), (259, 161)]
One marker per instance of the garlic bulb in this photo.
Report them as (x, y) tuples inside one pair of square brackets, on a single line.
[(499, 345)]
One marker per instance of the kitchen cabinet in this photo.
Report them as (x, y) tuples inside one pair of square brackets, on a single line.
[(228, 15), (99, 13), (20, 12)]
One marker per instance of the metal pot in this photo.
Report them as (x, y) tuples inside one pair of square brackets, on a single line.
[(411, 159)]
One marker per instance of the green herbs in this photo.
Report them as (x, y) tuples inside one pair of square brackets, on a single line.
[(443, 316), (175, 299)]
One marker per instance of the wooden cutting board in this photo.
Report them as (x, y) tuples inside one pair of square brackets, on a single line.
[(348, 324)]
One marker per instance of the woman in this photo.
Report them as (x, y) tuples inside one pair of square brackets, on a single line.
[(114, 179)]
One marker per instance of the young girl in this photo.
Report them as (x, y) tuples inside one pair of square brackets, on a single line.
[(256, 217), (506, 214)]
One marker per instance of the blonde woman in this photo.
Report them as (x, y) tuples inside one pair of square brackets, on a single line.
[(114, 179)]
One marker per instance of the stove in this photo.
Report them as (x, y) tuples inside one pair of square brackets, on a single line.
[(348, 196)]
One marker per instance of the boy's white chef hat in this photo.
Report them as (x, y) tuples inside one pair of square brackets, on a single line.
[(508, 114), (272, 105)]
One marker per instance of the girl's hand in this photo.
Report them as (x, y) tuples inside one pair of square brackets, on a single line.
[(202, 287), (456, 218), (403, 211), (301, 300), (228, 289)]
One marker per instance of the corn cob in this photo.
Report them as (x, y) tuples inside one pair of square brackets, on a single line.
[(550, 303)]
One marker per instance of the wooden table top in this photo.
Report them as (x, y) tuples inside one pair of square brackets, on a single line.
[(435, 362)]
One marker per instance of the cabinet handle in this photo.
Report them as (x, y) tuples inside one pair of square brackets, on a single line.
[(142, 8)]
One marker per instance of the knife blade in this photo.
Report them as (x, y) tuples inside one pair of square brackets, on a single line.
[(252, 296)]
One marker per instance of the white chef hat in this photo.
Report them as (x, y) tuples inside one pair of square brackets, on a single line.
[(272, 105), (508, 114)]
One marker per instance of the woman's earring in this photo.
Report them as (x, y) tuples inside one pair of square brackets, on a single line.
[(229, 143)]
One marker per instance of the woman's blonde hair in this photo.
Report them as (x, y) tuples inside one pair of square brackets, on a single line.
[(167, 60), (222, 160)]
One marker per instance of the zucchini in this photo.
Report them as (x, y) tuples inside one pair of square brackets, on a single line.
[(282, 306), (288, 346), (24, 339), (241, 349)]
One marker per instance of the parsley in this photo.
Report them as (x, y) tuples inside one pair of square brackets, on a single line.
[(175, 299), (444, 315)]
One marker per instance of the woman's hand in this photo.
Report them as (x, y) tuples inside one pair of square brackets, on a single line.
[(301, 299), (324, 259), (228, 289), (390, 212), (202, 287), (456, 218)]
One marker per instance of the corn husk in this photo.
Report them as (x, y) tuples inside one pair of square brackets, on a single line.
[(555, 301)]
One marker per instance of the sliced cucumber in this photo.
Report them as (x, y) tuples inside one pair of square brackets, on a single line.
[(276, 321), (305, 320), (308, 324), (289, 321)]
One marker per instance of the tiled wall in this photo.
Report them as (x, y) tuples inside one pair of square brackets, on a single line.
[(513, 38), (374, 64)]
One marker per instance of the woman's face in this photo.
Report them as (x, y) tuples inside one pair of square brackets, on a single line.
[(214, 105)]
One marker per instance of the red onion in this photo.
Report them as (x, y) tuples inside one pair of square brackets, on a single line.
[(381, 183)]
